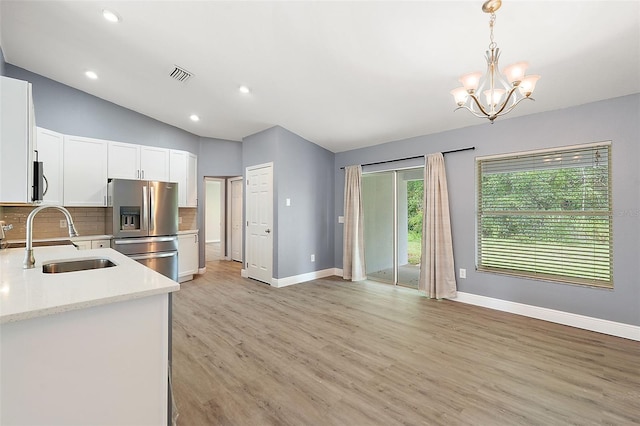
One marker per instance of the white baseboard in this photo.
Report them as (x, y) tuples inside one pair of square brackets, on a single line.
[(598, 325), (613, 328), (297, 279), (244, 273)]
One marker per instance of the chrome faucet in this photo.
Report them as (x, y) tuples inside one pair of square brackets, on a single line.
[(29, 260)]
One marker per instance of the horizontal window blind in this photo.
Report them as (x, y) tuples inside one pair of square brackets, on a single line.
[(547, 215)]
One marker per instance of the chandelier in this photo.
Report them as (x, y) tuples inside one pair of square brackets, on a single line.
[(502, 92)]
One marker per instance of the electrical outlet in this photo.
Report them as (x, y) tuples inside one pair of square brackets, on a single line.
[(463, 273), (313, 257), (63, 223)]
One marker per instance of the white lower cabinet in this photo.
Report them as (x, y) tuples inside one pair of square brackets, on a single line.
[(187, 255), (96, 244), (105, 364), (92, 244)]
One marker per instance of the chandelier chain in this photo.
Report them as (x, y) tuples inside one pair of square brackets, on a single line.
[(492, 22)]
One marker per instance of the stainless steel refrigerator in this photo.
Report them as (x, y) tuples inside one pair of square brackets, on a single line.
[(143, 219)]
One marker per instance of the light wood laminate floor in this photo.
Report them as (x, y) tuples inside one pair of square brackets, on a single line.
[(331, 352)]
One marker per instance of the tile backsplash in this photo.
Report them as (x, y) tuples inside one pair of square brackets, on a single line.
[(189, 217), (88, 221)]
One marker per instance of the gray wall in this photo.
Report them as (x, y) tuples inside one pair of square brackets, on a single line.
[(72, 112), (2, 62), (613, 119), (216, 158), (302, 172), (305, 227)]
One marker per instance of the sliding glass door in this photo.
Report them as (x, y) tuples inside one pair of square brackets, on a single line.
[(392, 202), (378, 205)]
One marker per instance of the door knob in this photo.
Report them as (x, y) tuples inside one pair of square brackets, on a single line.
[(268, 231)]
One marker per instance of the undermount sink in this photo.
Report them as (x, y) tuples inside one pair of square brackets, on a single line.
[(76, 265)]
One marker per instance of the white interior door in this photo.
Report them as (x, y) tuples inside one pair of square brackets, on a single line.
[(259, 212), (236, 220)]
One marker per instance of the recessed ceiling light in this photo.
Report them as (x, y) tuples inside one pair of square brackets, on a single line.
[(92, 75), (194, 117), (110, 16), (244, 90)]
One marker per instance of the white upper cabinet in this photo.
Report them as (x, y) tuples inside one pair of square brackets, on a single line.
[(51, 153), (85, 172), (124, 161), (154, 163), (17, 131), (130, 161), (178, 174), (183, 168), (192, 180)]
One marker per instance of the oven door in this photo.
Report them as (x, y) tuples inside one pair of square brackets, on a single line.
[(165, 262)]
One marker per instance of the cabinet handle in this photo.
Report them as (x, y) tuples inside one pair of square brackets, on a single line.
[(138, 174), (105, 199), (143, 174), (196, 237)]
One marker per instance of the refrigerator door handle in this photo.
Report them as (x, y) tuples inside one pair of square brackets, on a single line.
[(145, 208), (154, 255), (152, 209)]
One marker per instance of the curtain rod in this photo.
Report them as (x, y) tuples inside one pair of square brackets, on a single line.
[(471, 148)]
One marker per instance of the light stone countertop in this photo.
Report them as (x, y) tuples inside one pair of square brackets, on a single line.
[(30, 293)]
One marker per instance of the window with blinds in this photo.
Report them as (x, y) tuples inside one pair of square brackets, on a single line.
[(547, 214)]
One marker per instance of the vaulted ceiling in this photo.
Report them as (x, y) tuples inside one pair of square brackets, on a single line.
[(341, 74)]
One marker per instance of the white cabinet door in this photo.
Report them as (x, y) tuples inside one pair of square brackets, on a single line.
[(178, 174), (192, 180), (51, 153), (85, 171), (154, 163), (183, 169), (124, 161), (16, 141), (187, 256)]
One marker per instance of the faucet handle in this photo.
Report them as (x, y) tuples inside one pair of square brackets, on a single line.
[(4, 227)]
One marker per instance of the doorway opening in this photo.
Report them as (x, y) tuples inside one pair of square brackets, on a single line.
[(214, 219), (392, 203), (223, 218)]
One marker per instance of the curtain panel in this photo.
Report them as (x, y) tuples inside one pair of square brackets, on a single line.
[(437, 272), (353, 267)]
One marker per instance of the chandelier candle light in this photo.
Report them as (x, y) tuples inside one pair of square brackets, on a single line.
[(501, 92)]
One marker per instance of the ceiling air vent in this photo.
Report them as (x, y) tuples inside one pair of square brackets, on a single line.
[(180, 74)]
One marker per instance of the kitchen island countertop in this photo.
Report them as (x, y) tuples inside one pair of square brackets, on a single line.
[(30, 293)]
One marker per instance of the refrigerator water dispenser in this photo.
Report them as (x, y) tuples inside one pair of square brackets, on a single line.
[(129, 218)]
